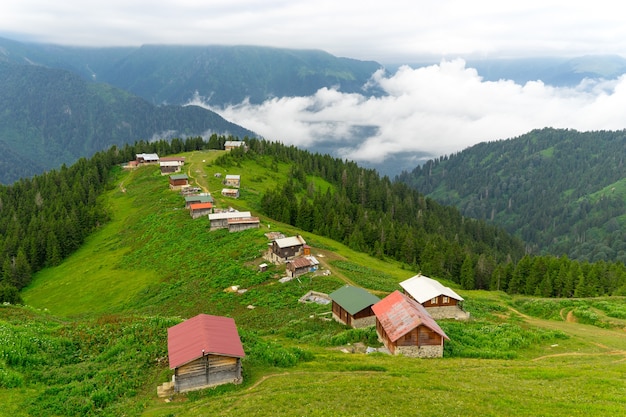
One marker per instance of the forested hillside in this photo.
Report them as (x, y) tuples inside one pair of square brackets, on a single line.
[(561, 191), (173, 74), (49, 117)]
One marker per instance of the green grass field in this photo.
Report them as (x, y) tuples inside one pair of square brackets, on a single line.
[(93, 338)]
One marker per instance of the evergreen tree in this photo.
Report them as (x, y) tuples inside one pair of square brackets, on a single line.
[(467, 273)]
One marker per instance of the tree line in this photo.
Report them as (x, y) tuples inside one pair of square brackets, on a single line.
[(45, 218), (385, 218)]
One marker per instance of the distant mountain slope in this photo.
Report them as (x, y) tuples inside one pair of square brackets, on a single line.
[(556, 71), (49, 117), (230, 74), (561, 191), (225, 74)]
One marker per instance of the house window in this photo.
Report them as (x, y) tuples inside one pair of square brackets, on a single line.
[(446, 300), (433, 301)]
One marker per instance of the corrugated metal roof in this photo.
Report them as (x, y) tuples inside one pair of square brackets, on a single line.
[(353, 299), (301, 262), (172, 159), (288, 242), (229, 215), (201, 206), (202, 335), (179, 177), (423, 289), (398, 314), (199, 198), (243, 220), (233, 177)]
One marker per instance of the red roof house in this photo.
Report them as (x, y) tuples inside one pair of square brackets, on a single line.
[(405, 327), (200, 209), (204, 351)]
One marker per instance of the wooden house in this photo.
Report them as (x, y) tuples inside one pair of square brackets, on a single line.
[(300, 266), (198, 198), (204, 351), (178, 181), (146, 158), (220, 220), (232, 181), (230, 192), (229, 145), (200, 209), (237, 224), (353, 306), (171, 164), (440, 301), (285, 249), (405, 327)]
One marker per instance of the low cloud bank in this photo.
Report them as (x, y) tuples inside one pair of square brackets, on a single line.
[(429, 111)]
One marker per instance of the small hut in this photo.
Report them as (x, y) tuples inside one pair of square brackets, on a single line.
[(204, 351), (405, 327), (353, 306), (440, 301)]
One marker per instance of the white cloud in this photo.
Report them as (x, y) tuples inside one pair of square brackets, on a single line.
[(390, 31), (439, 109)]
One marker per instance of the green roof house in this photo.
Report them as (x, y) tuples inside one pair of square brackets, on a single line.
[(353, 306)]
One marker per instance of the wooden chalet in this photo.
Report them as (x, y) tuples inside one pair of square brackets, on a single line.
[(405, 327), (237, 224), (440, 301), (198, 198), (220, 220), (229, 145), (300, 266), (232, 181), (146, 158), (353, 306), (200, 209), (204, 351), (285, 249), (178, 181), (230, 192), (171, 164)]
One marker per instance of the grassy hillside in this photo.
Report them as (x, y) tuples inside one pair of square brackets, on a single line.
[(93, 341)]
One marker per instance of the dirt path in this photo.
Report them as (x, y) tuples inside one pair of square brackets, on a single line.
[(324, 257), (196, 173)]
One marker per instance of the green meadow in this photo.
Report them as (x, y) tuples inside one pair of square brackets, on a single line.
[(92, 338)]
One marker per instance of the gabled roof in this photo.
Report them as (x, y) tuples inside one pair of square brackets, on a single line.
[(199, 198), (288, 242), (398, 314), (353, 299), (229, 215), (201, 206), (172, 159), (423, 289), (179, 177), (203, 335), (233, 177), (233, 143), (304, 262), (243, 220), (148, 156)]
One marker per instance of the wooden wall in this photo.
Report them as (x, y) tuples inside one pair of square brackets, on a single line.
[(207, 371)]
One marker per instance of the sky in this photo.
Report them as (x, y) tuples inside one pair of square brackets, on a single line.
[(391, 30), (427, 112)]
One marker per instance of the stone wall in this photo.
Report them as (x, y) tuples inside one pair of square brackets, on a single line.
[(420, 352), (447, 312), (364, 322)]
